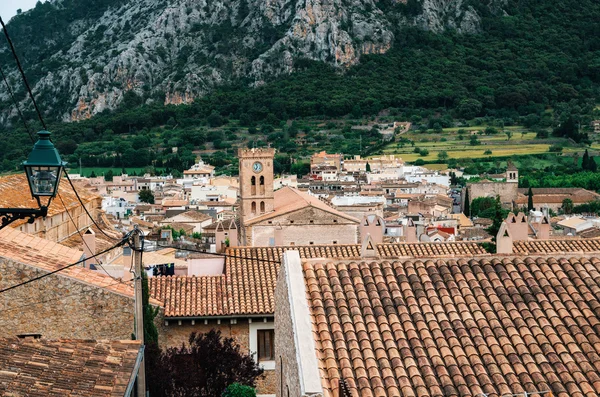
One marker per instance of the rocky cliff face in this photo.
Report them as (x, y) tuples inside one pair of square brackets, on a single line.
[(176, 50)]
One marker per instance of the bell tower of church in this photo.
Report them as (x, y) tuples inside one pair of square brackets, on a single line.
[(256, 182)]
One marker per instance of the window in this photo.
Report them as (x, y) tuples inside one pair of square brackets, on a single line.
[(266, 345), (262, 207), (334, 242), (311, 242), (253, 210)]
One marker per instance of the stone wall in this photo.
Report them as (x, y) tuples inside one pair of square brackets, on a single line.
[(305, 227), (174, 335), (508, 192), (297, 372), (60, 307)]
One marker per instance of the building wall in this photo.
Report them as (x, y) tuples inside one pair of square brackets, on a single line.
[(508, 192), (173, 335), (70, 308), (304, 227), (256, 193)]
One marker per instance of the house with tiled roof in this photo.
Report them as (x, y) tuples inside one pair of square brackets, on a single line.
[(191, 217), (481, 326), (57, 226), (74, 302), (552, 198), (68, 367)]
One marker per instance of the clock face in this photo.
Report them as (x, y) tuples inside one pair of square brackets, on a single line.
[(257, 167)]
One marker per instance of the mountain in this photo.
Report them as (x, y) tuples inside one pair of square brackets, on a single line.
[(82, 56)]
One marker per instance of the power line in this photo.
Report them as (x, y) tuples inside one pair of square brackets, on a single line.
[(14, 53), (86, 210), (222, 255), (81, 235), (12, 96), (122, 242)]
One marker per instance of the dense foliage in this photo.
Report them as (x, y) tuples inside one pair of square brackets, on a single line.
[(204, 367), (539, 65)]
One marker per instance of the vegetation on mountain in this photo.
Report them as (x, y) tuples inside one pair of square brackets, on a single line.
[(538, 66)]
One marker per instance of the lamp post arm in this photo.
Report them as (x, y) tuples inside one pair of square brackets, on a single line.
[(9, 215)]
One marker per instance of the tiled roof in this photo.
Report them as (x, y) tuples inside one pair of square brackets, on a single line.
[(556, 246), (288, 199), (38, 367), (457, 327), (248, 285), (49, 256), (430, 250), (191, 296), (15, 193)]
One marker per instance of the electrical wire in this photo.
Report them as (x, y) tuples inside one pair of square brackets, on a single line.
[(12, 96), (34, 303), (86, 210), (14, 53), (222, 255), (83, 239), (121, 243)]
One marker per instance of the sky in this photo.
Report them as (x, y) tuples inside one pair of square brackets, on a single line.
[(8, 8)]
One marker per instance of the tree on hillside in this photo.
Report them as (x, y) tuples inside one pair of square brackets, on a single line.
[(508, 134), (205, 367), (529, 199), (585, 161), (567, 206), (443, 155), (593, 166), (146, 196)]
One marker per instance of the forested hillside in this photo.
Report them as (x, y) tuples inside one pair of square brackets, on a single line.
[(538, 66)]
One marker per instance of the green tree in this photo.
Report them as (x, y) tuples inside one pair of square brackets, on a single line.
[(214, 119), (109, 175), (368, 167), (593, 166), (529, 199), (467, 206), (93, 174), (469, 108), (567, 206), (497, 219), (146, 196), (585, 161), (443, 155), (508, 134), (239, 390)]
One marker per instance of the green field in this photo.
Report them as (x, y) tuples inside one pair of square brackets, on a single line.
[(458, 146), (99, 171)]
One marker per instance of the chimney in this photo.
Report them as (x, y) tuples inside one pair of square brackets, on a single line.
[(518, 226), (374, 225), (410, 232), (544, 229), (368, 249), (504, 240), (278, 236), (89, 247)]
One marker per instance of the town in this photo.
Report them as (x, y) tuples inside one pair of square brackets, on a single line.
[(336, 283)]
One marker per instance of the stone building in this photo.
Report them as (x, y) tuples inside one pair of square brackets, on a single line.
[(57, 226), (507, 191), (287, 216), (476, 325), (74, 303), (324, 159)]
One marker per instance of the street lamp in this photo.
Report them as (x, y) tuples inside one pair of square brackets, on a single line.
[(43, 169)]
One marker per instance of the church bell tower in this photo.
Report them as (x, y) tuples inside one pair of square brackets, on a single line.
[(256, 182)]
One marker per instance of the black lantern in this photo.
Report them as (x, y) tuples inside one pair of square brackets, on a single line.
[(43, 169)]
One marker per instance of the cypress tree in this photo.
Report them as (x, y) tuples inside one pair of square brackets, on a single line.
[(585, 162), (530, 200), (467, 207), (592, 165)]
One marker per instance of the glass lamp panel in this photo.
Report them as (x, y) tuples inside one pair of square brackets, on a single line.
[(43, 180)]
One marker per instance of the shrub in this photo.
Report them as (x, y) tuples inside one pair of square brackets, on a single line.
[(239, 390)]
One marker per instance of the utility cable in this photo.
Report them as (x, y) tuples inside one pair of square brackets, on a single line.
[(83, 239), (121, 243), (12, 96), (222, 255), (14, 53), (86, 210)]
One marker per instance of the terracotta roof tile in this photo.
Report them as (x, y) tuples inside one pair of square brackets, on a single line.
[(457, 327), (556, 246), (49, 256), (66, 367), (15, 193)]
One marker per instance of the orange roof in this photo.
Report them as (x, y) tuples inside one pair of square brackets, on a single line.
[(49, 256), (66, 367), (248, 285), (457, 327), (15, 193), (556, 246), (288, 199)]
